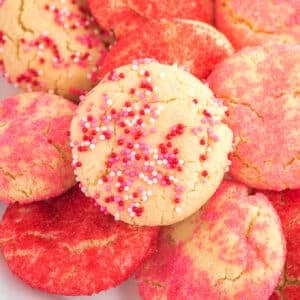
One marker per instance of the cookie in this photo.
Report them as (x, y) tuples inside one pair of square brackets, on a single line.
[(287, 204), (149, 143), (251, 23), (195, 45), (125, 16), (260, 85), (52, 46), (67, 246), (36, 158), (233, 248)]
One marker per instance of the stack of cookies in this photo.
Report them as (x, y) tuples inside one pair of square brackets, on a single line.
[(159, 139)]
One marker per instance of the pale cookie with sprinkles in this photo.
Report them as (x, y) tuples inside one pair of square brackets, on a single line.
[(231, 249), (149, 143), (35, 162), (52, 46), (260, 85), (66, 246)]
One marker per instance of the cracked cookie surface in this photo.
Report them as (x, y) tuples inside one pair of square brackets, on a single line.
[(233, 248), (262, 94), (35, 161), (123, 16), (67, 246), (52, 46), (195, 45), (250, 23), (149, 143)]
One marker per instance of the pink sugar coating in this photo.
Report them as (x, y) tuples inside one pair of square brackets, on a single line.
[(171, 273), (262, 114), (36, 147)]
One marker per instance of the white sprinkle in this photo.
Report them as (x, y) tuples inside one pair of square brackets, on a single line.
[(178, 210), (92, 146), (181, 161), (102, 137), (209, 149), (100, 181), (154, 173), (126, 197), (155, 181), (112, 174), (117, 216), (144, 198), (152, 120), (136, 146)]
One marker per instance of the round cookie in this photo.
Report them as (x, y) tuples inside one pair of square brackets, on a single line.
[(251, 23), (36, 158), (125, 16), (67, 246), (192, 44), (260, 85), (287, 204), (233, 248), (149, 143), (52, 46)]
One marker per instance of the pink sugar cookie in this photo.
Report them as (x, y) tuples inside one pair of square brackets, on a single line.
[(124, 16), (253, 22), (260, 86), (232, 249), (35, 162)]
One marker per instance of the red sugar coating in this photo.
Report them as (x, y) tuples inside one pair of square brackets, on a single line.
[(260, 86), (35, 153), (232, 249), (130, 15), (287, 204), (67, 246), (194, 45)]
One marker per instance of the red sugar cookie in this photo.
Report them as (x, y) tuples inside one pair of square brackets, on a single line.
[(191, 44), (232, 249), (35, 162), (287, 204), (253, 22), (260, 86), (124, 16), (67, 246)]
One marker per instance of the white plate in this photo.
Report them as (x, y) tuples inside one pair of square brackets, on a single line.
[(11, 288)]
